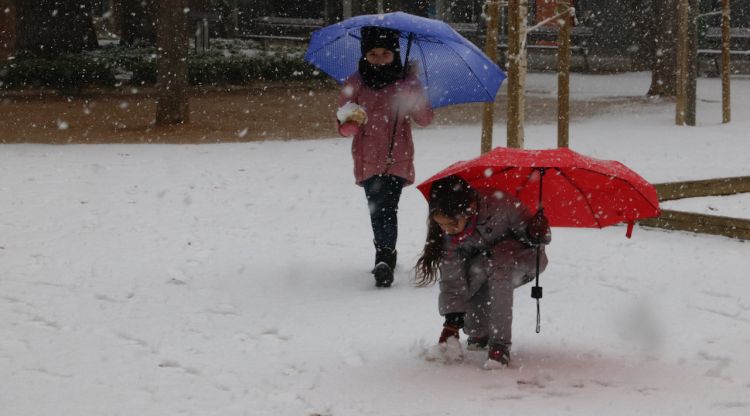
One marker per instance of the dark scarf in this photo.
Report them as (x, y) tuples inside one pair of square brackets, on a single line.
[(380, 76)]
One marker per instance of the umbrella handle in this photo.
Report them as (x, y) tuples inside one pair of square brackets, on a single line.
[(536, 291), (408, 51), (629, 232), (389, 160)]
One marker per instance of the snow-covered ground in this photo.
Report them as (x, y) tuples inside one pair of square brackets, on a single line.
[(233, 279), (737, 206)]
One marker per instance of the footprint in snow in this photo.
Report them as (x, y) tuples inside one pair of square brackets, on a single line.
[(273, 333), (732, 405), (354, 360), (177, 365)]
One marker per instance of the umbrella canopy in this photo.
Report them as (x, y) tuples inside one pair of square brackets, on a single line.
[(574, 190), (453, 69)]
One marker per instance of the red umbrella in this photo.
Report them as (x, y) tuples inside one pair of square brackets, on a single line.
[(573, 190), (578, 191)]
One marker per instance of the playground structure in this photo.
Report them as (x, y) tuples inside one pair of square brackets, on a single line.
[(687, 61), (685, 108)]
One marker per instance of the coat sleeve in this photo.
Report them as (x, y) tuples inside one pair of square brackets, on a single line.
[(350, 128), (348, 93), (518, 219), (420, 109), (454, 287), (518, 253)]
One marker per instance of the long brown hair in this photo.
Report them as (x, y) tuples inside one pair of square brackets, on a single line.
[(452, 197)]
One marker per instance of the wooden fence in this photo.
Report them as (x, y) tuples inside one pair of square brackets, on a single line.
[(702, 223)]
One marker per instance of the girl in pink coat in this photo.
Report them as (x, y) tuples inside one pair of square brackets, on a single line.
[(377, 105)]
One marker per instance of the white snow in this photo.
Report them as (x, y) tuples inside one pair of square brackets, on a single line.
[(233, 279), (737, 206)]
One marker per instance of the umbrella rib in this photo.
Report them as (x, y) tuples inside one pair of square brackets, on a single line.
[(628, 183), (426, 38), (570, 180), (447, 45), (528, 179), (424, 63), (328, 43)]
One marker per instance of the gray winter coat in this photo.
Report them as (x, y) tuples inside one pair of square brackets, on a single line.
[(498, 246)]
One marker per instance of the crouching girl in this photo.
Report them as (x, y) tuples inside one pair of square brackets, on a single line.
[(482, 248)]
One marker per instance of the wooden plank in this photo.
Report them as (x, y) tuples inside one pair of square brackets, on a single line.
[(709, 187), (700, 223), (719, 52)]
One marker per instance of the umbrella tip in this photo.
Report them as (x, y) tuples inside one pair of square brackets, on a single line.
[(629, 233)]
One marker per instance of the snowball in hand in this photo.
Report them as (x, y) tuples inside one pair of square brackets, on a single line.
[(351, 111)]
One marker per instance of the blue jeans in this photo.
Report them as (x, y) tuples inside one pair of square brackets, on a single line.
[(383, 193)]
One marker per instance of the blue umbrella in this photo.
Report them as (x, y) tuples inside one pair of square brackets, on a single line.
[(453, 70)]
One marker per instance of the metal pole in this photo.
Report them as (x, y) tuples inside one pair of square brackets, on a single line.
[(682, 24), (490, 48), (563, 75), (725, 63), (516, 37)]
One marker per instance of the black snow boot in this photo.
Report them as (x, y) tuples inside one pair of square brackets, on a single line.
[(385, 255), (385, 263), (383, 275)]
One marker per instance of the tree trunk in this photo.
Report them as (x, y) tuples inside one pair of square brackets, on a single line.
[(138, 22), (171, 62), (691, 86), (393, 6), (52, 27), (490, 48), (641, 16), (517, 66), (563, 76), (664, 53), (114, 17), (7, 30)]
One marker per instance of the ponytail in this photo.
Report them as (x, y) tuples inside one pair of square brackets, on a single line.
[(432, 254), (450, 196)]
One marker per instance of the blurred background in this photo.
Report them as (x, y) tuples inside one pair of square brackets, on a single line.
[(86, 70)]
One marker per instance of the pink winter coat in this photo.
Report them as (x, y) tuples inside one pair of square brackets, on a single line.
[(372, 140)]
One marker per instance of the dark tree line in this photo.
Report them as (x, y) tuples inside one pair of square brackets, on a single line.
[(658, 40), (648, 28), (49, 27)]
